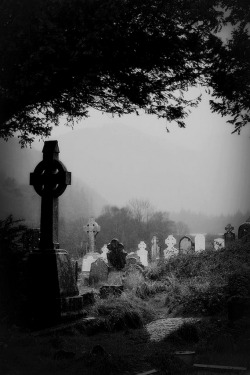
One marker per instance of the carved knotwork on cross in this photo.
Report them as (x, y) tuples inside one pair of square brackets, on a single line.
[(50, 179)]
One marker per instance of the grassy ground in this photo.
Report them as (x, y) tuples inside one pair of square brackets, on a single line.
[(120, 343)]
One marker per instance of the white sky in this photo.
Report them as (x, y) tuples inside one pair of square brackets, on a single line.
[(203, 168)]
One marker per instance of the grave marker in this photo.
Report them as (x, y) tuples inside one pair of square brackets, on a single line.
[(185, 245), (116, 255), (98, 272), (219, 243), (229, 236), (170, 250), (143, 253), (92, 229), (244, 230), (199, 242), (53, 292), (155, 249)]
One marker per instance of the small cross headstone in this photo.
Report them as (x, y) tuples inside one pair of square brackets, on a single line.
[(155, 249), (185, 245), (116, 255), (229, 236), (143, 253), (219, 243), (199, 242), (92, 229), (170, 250)]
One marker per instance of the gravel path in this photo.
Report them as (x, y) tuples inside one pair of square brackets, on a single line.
[(160, 328)]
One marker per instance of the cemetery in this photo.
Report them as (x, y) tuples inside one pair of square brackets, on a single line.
[(184, 301)]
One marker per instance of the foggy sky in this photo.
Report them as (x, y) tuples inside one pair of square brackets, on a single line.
[(203, 168)]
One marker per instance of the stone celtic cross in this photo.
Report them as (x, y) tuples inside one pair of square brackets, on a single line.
[(50, 179), (142, 246), (170, 242), (92, 229)]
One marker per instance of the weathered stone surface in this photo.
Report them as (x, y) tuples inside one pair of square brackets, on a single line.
[(88, 259), (92, 229), (51, 277), (186, 245), (219, 243), (229, 236), (244, 230), (116, 255), (115, 277), (155, 249), (199, 242), (98, 272), (143, 253), (170, 250)]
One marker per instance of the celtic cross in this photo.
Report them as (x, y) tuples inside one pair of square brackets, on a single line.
[(50, 179)]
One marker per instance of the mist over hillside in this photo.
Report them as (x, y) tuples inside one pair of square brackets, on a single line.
[(214, 224), (18, 198)]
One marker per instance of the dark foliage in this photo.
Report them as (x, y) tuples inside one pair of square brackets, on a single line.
[(62, 57)]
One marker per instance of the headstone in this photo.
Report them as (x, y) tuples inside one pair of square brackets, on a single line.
[(116, 255), (170, 250), (155, 249), (219, 243), (143, 253), (229, 236), (53, 293), (88, 259), (199, 242), (244, 230), (92, 229), (185, 245), (98, 272), (104, 251)]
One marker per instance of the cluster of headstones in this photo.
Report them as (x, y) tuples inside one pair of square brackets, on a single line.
[(57, 295)]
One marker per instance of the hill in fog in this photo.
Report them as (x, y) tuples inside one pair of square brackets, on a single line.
[(18, 198)]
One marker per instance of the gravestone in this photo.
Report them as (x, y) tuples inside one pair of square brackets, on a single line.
[(199, 242), (170, 250), (155, 249), (116, 254), (104, 251), (92, 229), (98, 272), (219, 243), (53, 293), (143, 253), (229, 236), (185, 245), (244, 231), (87, 260)]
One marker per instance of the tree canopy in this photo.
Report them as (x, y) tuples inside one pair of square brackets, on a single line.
[(63, 57)]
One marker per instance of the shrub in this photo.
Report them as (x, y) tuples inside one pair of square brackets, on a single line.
[(123, 312)]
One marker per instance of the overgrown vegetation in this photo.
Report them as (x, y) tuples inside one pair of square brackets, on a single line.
[(200, 284)]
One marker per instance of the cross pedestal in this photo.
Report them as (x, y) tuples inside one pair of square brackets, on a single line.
[(53, 293)]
